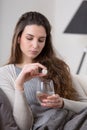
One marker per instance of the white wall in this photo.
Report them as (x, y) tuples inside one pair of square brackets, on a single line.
[(59, 12), (70, 46)]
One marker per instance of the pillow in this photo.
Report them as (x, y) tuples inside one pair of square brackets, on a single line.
[(7, 121)]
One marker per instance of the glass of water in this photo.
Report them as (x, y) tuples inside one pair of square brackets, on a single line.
[(46, 89)]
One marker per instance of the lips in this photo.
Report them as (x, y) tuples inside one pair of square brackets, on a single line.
[(33, 52)]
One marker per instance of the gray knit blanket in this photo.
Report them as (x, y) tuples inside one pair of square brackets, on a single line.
[(66, 120)]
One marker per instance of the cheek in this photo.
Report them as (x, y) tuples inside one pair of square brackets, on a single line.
[(22, 43), (42, 46), (23, 46)]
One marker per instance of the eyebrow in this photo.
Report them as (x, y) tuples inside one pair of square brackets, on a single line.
[(33, 35)]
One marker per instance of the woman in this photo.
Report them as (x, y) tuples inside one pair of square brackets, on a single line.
[(32, 51)]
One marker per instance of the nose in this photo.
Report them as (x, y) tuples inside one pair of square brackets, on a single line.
[(35, 44)]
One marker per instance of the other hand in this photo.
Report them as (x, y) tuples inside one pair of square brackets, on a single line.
[(53, 101)]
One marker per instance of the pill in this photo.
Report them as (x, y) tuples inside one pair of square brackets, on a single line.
[(44, 71)]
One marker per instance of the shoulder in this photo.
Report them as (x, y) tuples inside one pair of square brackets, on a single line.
[(80, 83), (8, 68), (7, 71), (81, 79)]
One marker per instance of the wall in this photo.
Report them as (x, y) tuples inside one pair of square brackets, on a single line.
[(59, 12), (70, 46)]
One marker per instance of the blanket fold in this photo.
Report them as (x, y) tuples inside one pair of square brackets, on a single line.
[(66, 120)]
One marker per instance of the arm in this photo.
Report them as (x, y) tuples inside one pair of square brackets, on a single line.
[(21, 111), (28, 71), (75, 106)]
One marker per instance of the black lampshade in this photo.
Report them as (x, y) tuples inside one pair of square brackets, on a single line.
[(78, 24)]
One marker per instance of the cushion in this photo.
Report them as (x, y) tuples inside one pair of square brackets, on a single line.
[(7, 121)]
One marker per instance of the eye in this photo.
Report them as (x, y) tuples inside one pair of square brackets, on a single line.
[(42, 40), (29, 38)]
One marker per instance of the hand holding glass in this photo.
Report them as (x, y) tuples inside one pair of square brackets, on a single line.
[(46, 89)]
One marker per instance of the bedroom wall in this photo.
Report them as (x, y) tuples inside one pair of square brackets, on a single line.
[(59, 12)]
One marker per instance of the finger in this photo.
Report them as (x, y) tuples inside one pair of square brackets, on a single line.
[(53, 97), (40, 70), (51, 105), (41, 66), (54, 102)]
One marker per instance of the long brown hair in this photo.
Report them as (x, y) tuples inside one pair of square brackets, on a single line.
[(58, 70)]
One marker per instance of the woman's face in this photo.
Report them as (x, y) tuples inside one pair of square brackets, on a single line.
[(32, 41)]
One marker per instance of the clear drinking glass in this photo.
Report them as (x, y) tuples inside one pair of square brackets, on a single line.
[(46, 89)]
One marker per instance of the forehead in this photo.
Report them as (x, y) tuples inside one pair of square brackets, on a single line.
[(35, 30)]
